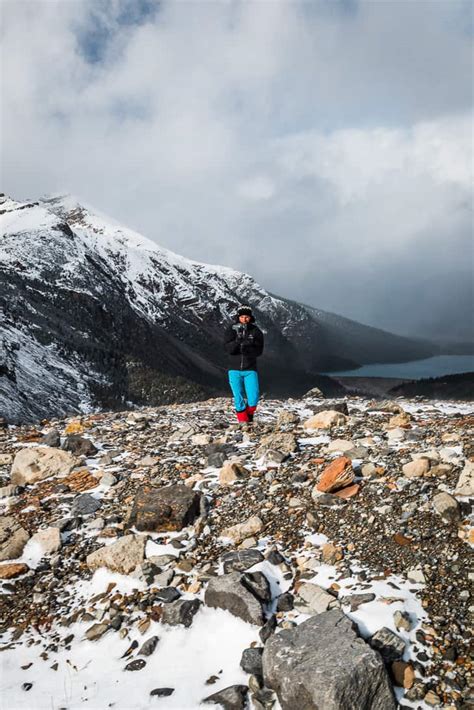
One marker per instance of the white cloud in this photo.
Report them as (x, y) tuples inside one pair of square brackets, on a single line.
[(313, 146)]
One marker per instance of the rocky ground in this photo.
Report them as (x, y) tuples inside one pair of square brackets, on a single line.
[(166, 557)]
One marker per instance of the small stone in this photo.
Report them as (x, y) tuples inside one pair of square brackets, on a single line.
[(167, 508), (238, 533), (389, 645), (357, 600), (251, 660), (330, 554), (181, 612), (48, 540), (241, 560), (232, 472), (235, 593), (96, 631), (417, 468), (108, 480), (432, 699), (325, 420), (268, 628), (348, 491), (135, 665), (162, 692), (416, 576), (79, 446), (447, 506), (85, 504), (52, 438), (312, 599), (342, 445), (285, 602), (286, 418), (232, 698), (402, 620), (149, 646)]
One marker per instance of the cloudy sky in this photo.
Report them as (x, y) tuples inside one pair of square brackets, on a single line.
[(325, 147)]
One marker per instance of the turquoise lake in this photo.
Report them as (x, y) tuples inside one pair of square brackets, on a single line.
[(415, 369)]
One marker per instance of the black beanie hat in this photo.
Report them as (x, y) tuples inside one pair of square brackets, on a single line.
[(244, 311)]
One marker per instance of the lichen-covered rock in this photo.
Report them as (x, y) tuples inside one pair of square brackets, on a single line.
[(167, 508)]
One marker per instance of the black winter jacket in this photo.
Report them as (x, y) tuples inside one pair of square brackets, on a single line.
[(243, 343)]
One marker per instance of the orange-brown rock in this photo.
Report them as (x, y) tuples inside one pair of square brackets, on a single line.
[(330, 554), (14, 569), (401, 539), (337, 475), (74, 427), (81, 480), (348, 492), (403, 674)]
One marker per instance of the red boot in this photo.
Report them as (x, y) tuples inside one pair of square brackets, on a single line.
[(242, 416), (250, 412)]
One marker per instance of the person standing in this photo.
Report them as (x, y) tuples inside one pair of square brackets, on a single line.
[(244, 342)]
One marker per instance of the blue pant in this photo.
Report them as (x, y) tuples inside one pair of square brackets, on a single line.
[(244, 386)]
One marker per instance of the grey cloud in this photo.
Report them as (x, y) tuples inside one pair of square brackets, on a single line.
[(323, 147)]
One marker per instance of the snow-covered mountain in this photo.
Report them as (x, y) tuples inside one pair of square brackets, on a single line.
[(94, 314)]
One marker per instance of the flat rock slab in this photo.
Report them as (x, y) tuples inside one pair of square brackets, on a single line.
[(122, 556), (241, 560), (165, 509), (37, 463), (229, 592), (312, 599), (322, 663)]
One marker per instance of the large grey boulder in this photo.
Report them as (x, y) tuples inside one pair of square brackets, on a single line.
[(229, 592), (322, 663), (162, 509)]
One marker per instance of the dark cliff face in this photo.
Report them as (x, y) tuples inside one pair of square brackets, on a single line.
[(94, 315)]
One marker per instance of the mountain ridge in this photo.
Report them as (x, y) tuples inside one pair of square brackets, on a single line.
[(97, 315)]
